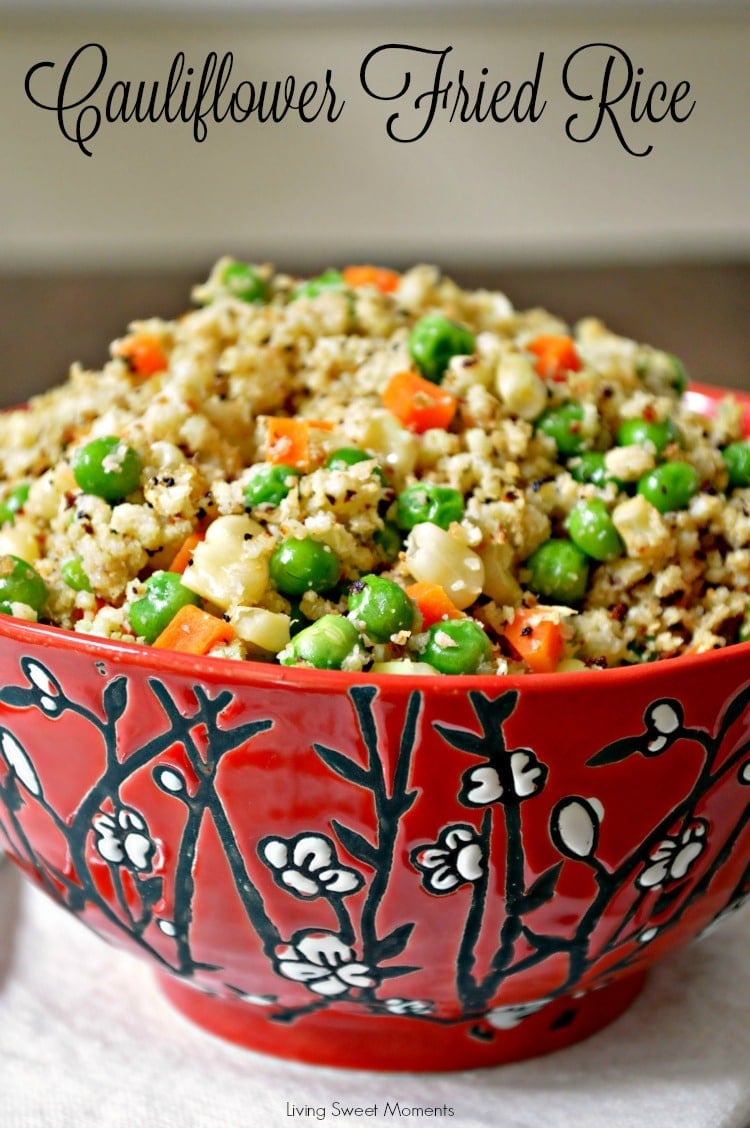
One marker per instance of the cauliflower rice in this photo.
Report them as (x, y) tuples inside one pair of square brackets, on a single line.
[(499, 435)]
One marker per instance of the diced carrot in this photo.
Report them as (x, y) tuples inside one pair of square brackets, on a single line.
[(184, 553), (380, 277), (556, 355), (537, 641), (418, 403), (288, 440), (432, 602), (143, 352), (194, 631)]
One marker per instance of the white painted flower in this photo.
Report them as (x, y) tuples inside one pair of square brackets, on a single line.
[(170, 780), (505, 1018), (307, 865), (528, 773), (663, 716), (483, 785), (256, 1000), (123, 839), (16, 758), (455, 858), (407, 1006), (323, 962), (574, 826), (673, 857), (664, 719), (48, 687)]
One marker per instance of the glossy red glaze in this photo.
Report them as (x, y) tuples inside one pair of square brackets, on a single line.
[(379, 871)]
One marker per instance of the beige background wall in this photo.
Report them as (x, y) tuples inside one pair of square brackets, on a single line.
[(150, 197)]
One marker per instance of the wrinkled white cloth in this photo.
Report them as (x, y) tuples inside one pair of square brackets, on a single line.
[(86, 1040)]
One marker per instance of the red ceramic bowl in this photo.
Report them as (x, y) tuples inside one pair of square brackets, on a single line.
[(379, 871)]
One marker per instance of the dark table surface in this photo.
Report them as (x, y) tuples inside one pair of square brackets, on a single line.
[(700, 312)]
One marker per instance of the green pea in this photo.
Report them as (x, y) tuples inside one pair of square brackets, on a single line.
[(591, 467), (457, 646), (325, 644), (649, 433), (303, 564), (433, 340), (737, 461), (243, 281), (680, 378), (670, 486), (402, 666), (20, 583), (642, 649), (164, 596), (298, 620), (380, 607), (73, 574), (328, 280), (389, 540), (559, 572), (108, 468), (345, 457), (663, 364), (427, 502), (743, 632), (591, 528), (14, 500), (562, 424), (269, 484)]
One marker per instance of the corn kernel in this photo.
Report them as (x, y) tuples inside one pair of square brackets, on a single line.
[(227, 568), (521, 389), (434, 555)]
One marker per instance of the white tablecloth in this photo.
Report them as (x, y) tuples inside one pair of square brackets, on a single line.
[(87, 1041)]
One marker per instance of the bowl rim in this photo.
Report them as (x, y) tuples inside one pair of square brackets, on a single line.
[(699, 397), (258, 674)]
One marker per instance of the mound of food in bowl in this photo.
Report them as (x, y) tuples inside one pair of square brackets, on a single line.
[(379, 470)]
